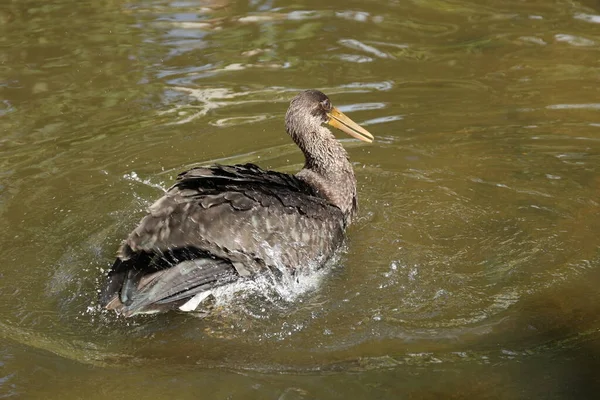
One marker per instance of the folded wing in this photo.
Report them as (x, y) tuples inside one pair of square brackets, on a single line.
[(215, 225)]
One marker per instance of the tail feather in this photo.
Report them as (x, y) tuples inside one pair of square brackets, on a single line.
[(130, 290), (182, 281)]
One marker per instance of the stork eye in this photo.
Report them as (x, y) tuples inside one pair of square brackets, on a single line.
[(326, 104)]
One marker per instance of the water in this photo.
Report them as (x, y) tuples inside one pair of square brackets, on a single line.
[(471, 271)]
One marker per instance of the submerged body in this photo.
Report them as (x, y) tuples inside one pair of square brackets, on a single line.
[(221, 223)]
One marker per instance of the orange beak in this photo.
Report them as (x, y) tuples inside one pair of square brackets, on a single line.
[(338, 120)]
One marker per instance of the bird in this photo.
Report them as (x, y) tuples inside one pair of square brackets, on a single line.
[(221, 223)]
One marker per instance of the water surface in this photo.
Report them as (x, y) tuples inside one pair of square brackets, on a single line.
[(473, 269)]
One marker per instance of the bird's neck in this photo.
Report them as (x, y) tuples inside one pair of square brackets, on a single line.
[(329, 172)]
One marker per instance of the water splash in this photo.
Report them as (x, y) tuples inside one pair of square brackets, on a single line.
[(133, 176), (280, 289)]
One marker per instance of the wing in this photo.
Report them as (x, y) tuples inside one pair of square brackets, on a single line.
[(214, 225), (240, 213)]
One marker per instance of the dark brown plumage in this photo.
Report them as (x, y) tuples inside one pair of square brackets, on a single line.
[(220, 223)]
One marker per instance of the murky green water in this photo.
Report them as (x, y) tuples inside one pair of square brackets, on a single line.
[(473, 270)]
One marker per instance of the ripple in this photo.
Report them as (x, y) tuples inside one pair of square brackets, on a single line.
[(234, 121), (382, 86), (382, 120), (258, 18), (358, 45), (588, 18), (354, 58), (302, 15), (533, 39), (358, 16), (209, 99), (589, 106), (573, 40), (361, 107), (205, 100)]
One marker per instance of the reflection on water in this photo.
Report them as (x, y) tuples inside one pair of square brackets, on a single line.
[(472, 269)]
